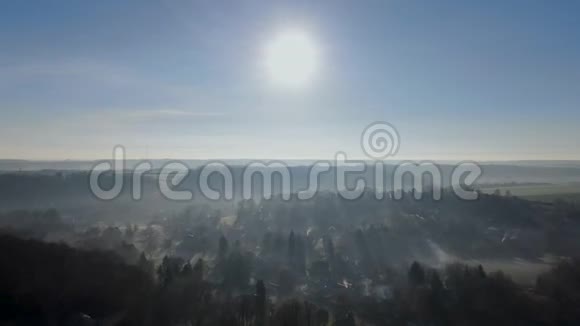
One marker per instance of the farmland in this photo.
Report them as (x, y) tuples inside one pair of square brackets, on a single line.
[(540, 192)]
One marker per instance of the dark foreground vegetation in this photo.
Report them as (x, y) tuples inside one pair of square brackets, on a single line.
[(325, 261), (53, 284)]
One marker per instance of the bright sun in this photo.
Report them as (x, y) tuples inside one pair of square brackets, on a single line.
[(291, 58)]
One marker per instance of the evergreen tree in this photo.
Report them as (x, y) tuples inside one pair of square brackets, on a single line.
[(481, 271), (260, 303), (223, 248), (291, 249), (168, 270), (145, 265), (187, 270), (198, 270), (416, 274)]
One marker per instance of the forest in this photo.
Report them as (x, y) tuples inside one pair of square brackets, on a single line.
[(324, 261)]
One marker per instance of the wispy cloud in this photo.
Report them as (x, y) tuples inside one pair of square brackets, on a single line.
[(92, 73), (169, 113)]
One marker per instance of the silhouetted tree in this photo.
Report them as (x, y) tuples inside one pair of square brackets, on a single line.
[(187, 270), (223, 248), (169, 269), (291, 249), (416, 274), (145, 265), (260, 303), (198, 270)]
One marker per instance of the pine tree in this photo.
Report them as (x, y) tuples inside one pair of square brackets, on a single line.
[(198, 270), (260, 303), (291, 249), (416, 274), (223, 248), (187, 270), (145, 265)]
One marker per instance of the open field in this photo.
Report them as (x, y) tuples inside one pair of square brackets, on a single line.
[(542, 192)]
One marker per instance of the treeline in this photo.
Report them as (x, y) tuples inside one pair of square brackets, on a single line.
[(52, 284), (53, 187), (33, 223)]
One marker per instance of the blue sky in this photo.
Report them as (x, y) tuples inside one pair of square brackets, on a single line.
[(485, 80)]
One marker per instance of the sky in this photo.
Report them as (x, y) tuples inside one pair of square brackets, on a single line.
[(473, 80)]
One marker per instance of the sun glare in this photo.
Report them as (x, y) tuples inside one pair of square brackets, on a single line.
[(291, 58)]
